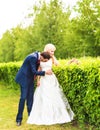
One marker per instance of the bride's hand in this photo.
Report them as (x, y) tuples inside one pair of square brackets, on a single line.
[(38, 83)]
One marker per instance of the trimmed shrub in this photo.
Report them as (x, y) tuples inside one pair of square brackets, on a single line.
[(8, 72), (80, 83)]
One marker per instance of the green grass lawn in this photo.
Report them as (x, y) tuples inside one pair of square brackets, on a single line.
[(8, 108)]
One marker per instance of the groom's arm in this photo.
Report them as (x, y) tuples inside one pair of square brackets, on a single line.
[(33, 64)]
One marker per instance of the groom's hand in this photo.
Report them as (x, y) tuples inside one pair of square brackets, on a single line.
[(49, 72)]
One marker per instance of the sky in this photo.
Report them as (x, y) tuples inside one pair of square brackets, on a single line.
[(14, 12)]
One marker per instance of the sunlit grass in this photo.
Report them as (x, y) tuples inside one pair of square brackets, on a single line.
[(8, 108)]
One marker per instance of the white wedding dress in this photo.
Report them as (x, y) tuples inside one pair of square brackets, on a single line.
[(50, 106)]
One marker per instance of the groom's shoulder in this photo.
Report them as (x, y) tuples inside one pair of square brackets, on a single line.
[(34, 54)]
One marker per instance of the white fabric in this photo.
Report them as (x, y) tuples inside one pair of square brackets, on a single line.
[(50, 105)]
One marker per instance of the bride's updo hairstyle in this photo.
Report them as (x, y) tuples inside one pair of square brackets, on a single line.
[(49, 46), (51, 49)]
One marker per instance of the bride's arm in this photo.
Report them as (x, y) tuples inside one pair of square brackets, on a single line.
[(55, 61)]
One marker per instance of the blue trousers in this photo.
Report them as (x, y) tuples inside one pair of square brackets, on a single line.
[(26, 96)]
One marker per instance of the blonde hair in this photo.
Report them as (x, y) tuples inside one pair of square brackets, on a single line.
[(49, 46)]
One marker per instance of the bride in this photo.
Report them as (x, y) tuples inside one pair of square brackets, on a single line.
[(50, 106)]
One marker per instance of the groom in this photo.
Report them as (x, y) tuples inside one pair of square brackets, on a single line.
[(25, 78)]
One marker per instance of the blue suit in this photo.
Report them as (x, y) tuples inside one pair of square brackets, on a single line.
[(25, 78)]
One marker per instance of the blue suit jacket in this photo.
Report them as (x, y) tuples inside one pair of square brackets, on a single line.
[(28, 70)]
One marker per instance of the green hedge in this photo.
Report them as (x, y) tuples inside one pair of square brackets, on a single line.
[(8, 72), (80, 83)]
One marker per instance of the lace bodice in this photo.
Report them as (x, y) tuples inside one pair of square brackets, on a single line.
[(46, 65)]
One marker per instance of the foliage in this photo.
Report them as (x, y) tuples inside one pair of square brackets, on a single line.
[(86, 26), (50, 26), (80, 83), (7, 47), (8, 72), (23, 42), (53, 23)]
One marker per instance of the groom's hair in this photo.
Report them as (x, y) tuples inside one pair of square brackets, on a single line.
[(45, 55)]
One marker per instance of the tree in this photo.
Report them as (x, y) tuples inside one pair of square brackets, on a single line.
[(7, 47), (50, 25), (23, 42), (87, 26)]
